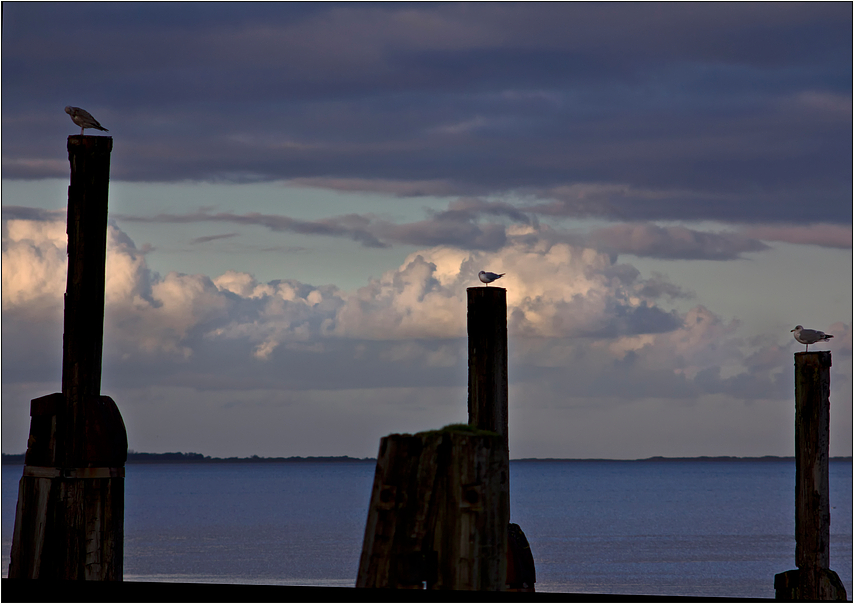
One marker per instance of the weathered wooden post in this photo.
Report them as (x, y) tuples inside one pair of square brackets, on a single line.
[(69, 522), (434, 521), (439, 515), (486, 324), (813, 579), (487, 331), (488, 408)]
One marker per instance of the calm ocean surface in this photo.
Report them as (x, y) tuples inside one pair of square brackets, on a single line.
[(696, 528)]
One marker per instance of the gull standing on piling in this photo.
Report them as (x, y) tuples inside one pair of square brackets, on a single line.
[(489, 277), (810, 336), (83, 118)]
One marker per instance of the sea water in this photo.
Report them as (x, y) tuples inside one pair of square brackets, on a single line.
[(691, 528)]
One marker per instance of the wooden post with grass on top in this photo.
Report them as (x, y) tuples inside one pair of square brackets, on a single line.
[(433, 520), (440, 504)]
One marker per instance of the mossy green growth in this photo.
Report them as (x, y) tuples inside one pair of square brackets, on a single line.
[(460, 428)]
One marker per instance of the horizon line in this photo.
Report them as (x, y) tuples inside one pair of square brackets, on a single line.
[(192, 457)]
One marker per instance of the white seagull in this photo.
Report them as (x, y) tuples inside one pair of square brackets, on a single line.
[(810, 336), (488, 277), (82, 118)]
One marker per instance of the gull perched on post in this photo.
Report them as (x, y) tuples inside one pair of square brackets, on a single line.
[(488, 278), (82, 118), (810, 336)]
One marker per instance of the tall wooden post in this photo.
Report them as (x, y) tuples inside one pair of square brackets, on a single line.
[(488, 396), (812, 448), (439, 515), (813, 580), (487, 332), (69, 522), (83, 334)]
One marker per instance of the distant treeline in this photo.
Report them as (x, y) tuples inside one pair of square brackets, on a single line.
[(134, 457)]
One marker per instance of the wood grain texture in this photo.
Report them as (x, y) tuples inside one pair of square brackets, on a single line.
[(69, 520), (438, 514), (812, 580)]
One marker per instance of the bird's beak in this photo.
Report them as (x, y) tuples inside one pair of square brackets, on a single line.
[(791, 330)]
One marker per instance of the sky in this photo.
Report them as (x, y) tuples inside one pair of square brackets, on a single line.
[(301, 194)]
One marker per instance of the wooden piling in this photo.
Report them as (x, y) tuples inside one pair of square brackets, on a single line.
[(488, 397), (487, 332), (813, 579), (812, 449), (83, 334), (436, 520), (439, 515), (69, 521)]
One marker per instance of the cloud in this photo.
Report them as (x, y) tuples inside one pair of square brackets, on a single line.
[(462, 225), (457, 226), (32, 214), (400, 188), (351, 226), (672, 242), (208, 238), (555, 291), (824, 235), (650, 108), (585, 333), (471, 208), (34, 259), (658, 286), (563, 301)]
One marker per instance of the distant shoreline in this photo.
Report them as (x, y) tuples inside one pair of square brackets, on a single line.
[(161, 458)]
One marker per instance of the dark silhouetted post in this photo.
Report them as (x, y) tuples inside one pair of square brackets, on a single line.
[(488, 408), (69, 522), (487, 332), (439, 515), (813, 580), (435, 520), (812, 448), (83, 335)]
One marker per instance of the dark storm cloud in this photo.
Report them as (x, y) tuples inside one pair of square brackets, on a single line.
[(672, 242), (36, 214), (208, 238), (461, 226), (351, 226), (653, 241), (471, 208), (825, 235), (737, 112), (454, 228)]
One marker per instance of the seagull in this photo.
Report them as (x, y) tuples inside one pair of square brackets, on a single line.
[(488, 277), (82, 118), (810, 336)]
